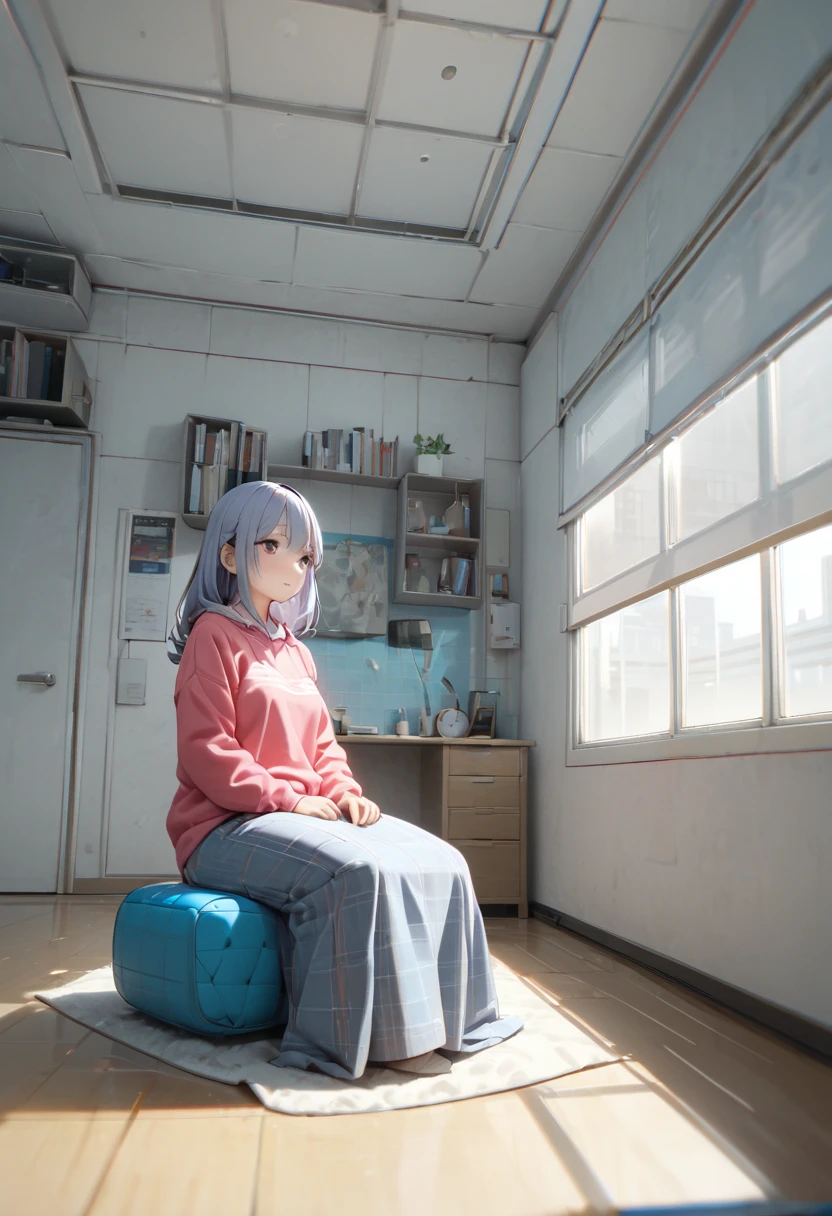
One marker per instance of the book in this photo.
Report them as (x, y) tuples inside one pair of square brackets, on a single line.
[(55, 387), (306, 451), (355, 451), (34, 372), (6, 367), (195, 491), (44, 380)]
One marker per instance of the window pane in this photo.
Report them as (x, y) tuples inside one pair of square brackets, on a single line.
[(607, 425), (722, 664), (806, 616), (626, 672), (623, 528), (717, 463), (804, 403)]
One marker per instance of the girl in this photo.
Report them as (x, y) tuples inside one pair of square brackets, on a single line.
[(383, 947)]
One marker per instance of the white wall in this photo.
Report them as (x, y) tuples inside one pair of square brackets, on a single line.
[(153, 361), (722, 864)]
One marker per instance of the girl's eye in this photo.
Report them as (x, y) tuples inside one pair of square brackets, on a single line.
[(306, 559), (270, 546)]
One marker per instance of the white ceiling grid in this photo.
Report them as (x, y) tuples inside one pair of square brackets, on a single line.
[(377, 166)]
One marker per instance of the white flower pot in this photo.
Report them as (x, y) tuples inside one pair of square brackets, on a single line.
[(431, 466)]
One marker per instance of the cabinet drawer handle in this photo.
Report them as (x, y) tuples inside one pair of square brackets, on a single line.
[(479, 811), (483, 780)]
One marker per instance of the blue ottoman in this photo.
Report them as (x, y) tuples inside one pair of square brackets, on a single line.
[(201, 960)]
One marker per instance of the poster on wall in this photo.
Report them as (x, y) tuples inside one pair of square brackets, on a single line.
[(146, 586), (352, 588)]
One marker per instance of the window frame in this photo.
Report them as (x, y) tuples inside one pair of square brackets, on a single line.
[(757, 528)]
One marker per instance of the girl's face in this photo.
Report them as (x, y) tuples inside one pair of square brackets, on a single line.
[(282, 569)]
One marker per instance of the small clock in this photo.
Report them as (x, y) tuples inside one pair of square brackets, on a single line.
[(452, 723)]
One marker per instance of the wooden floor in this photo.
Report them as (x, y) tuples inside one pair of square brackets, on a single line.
[(702, 1108)]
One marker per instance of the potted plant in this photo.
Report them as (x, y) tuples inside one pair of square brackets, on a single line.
[(429, 453)]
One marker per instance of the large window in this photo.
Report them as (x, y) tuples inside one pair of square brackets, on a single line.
[(701, 583)]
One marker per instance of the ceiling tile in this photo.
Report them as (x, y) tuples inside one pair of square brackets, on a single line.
[(520, 14), (526, 266), (25, 113), (565, 189), (623, 72), (26, 226), (14, 193), (158, 143), (672, 14), (199, 240), (398, 266), (475, 100), (291, 50), (150, 40), (289, 161), (440, 191), (52, 182)]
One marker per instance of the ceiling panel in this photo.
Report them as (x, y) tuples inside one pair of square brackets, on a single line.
[(14, 194), (203, 240), (526, 266), (519, 14), (288, 161), (25, 114), (291, 50), (26, 226), (149, 40), (620, 78), (673, 14), (475, 100), (159, 143), (565, 189), (365, 262), (399, 185)]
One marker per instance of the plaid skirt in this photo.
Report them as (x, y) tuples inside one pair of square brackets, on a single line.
[(383, 948)]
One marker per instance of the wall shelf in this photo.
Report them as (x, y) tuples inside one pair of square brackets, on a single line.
[(297, 472), (55, 293), (72, 408), (439, 493), (229, 475)]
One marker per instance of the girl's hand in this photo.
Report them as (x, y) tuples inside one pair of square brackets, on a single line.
[(360, 811), (317, 808)]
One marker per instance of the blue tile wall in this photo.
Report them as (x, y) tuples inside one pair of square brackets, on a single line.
[(346, 675)]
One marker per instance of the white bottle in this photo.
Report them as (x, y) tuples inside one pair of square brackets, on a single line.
[(402, 726), (346, 722)]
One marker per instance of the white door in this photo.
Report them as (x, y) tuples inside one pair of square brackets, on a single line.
[(42, 509)]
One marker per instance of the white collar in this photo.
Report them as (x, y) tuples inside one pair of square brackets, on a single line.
[(276, 629)]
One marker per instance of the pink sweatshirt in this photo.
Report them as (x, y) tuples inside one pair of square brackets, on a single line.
[(253, 732)]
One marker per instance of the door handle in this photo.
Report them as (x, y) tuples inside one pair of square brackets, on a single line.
[(482, 780), (36, 677)]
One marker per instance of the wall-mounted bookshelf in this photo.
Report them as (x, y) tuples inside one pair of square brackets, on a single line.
[(436, 494), (43, 287), (218, 454), (42, 377), (294, 472)]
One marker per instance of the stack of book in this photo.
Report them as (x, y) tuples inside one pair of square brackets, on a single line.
[(222, 458), (356, 451), (31, 368)]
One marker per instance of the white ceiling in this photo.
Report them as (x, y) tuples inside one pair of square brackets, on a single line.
[(326, 162)]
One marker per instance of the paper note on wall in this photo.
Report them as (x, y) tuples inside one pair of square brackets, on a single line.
[(146, 588)]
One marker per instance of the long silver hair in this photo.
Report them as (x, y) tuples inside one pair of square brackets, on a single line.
[(242, 517)]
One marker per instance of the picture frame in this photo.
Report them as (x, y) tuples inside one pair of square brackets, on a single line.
[(484, 722)]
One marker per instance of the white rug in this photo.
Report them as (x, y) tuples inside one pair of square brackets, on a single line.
[(550, 1045)]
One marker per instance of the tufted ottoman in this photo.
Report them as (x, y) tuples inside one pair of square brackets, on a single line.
[(202, 960)]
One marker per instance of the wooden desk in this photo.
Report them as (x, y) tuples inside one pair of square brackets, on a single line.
[(473, 794)]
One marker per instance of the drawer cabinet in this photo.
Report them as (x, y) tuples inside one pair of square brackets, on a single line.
[(484, 791), (484, 816), (484, 761), (484, 824), (495, 869)]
